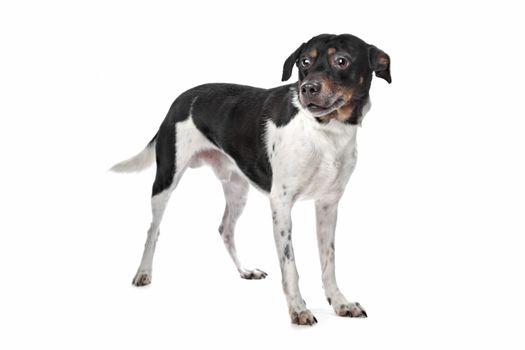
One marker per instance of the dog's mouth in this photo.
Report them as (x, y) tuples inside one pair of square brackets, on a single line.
[(323, 109)]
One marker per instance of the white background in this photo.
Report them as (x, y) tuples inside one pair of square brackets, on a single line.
[(430, 234)]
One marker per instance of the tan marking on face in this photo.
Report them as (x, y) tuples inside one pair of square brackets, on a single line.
[(331, 50), (344, 112), (313, 53)]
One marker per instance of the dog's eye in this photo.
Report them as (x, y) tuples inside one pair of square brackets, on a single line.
[(306, 62), (342, 62)]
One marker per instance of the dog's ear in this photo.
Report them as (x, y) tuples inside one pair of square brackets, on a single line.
[(290, 61), (380, 63)]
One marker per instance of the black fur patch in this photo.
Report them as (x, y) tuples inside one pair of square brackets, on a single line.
[(165, 146), (234, 117)]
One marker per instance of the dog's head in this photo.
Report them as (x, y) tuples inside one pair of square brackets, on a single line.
[(335, 73)]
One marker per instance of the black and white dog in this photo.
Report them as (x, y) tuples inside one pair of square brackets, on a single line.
[(292, 142)]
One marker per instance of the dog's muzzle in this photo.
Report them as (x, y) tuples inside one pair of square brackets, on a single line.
[(317, 100)]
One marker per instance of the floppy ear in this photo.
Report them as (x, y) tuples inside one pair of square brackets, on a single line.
[(290, 61), (380, 63)]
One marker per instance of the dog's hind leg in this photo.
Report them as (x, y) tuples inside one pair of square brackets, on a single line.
[(173, 153), (158, 205), (235, 188)]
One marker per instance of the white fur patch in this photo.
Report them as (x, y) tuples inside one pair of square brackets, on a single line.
[(138, 162), (311, 160), (189, 141)]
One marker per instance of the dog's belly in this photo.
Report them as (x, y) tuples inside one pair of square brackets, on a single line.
[(310, 160)]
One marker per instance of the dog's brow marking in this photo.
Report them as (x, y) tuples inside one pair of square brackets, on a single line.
[(313, 53), (331, 50)]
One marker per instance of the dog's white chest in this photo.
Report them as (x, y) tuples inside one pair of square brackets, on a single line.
[(311, 160)]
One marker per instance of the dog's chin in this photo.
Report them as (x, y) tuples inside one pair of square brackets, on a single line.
[(319, 110)]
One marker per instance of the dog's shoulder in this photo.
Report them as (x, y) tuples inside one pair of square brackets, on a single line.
[(278, 106)]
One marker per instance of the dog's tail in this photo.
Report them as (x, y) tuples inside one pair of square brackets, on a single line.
[(138, 162)]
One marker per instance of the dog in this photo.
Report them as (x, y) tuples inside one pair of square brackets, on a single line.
[(293, 142)]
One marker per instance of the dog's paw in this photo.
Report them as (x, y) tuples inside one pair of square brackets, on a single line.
[(351, 310), (304, 317), (253, 274), (142, 278)]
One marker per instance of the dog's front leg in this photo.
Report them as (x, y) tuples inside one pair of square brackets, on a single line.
[(282, 231), (326, 219)]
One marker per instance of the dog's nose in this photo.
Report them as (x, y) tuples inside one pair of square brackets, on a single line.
[(311, 88)]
